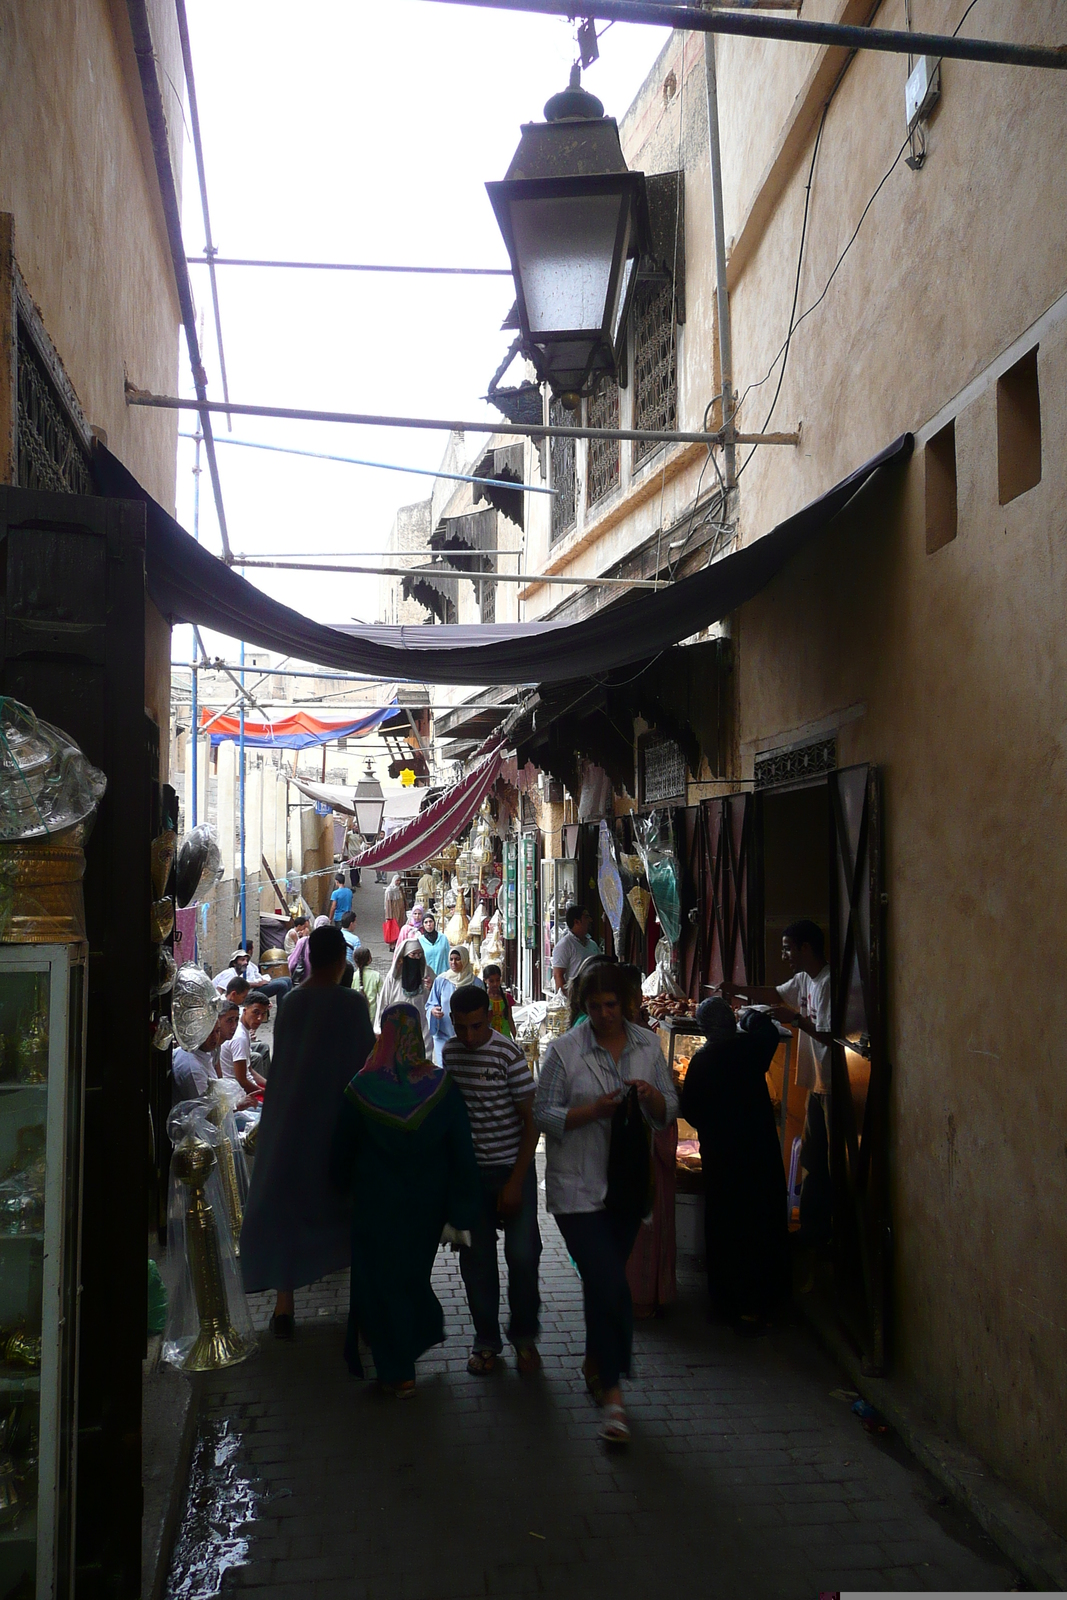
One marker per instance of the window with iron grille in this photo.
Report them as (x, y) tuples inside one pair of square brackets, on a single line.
[(662, 770), (603, 412), (488, 606), (562, 472), (655, 374), (796, 766), (50, 454)]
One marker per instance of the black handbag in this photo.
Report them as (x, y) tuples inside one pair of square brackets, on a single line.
[(630, 1179)]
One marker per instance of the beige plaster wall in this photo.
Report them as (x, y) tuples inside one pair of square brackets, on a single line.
[(958, 663), (77, 174)]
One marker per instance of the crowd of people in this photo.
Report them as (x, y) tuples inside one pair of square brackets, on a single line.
[(400, 1113)]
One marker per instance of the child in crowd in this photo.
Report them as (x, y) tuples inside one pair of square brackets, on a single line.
[(500, 1018)]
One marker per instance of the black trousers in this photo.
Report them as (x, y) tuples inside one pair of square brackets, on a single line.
[(600, 1245)]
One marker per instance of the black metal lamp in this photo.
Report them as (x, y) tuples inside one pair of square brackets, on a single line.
[(369, 804), (575, 220)]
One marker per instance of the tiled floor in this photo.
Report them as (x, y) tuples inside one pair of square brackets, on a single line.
[(746, 1475)]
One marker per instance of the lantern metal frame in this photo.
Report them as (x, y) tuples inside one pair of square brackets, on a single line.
[(364, 799)]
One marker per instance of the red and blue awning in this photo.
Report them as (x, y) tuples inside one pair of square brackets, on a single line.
[(301, 731)]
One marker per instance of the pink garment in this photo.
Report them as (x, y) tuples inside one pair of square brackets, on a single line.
[(298, 956), (650, 1271), (185, 934)]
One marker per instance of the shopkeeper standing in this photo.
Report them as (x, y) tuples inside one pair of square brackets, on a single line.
[(575, 946), (807, 1008)]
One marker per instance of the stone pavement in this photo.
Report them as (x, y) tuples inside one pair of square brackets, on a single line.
[(746, 1475)]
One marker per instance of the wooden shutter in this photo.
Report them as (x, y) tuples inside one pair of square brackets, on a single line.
[(860, 1076), (731, 926), (690, 944)]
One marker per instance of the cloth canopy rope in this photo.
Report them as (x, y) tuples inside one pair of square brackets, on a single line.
[(301, 731), (426, 835), (188, 584)]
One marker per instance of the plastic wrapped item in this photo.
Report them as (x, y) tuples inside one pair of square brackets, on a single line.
[(163, 982), (660, 980), (194, 1006), (208, 1322), (222, 1099), (492, 950), (655, 844), (46, 784), (457, 925), (609, 883), (199, 866)]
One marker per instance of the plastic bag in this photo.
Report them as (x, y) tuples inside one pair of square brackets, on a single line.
[(660, 980), (46, 784), (654, 838), (208, 1321), (609, 883)]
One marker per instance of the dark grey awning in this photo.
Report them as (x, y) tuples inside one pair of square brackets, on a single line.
[(188, 584)]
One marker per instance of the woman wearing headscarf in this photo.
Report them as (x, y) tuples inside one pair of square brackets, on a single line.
[(413, 926), (396, 910), (405, 984), (435, 945), (725, 1097), (298, 963), (585, 1076), (403, 1151), (457, 975)]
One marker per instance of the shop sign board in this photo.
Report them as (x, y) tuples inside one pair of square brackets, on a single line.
[(529, 891), (509, 899)]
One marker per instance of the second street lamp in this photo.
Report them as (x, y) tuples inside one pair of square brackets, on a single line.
[(369, 804), (575, 220)]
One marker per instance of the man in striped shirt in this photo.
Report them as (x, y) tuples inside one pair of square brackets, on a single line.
[(491, 1074)]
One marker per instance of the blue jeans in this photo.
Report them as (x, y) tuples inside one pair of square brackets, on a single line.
[(276, 986), (600, 1245), (522, 1252)]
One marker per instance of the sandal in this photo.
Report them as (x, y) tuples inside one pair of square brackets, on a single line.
[(527, 1359), (481, 1363), (615, 1429), (592, 1380)]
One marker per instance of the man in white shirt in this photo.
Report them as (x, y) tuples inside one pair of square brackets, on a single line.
[(807, 1008), (235, 1058), (241, 966), (575, 946), (193, 1070)]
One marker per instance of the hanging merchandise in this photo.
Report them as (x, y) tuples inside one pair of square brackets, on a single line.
[(655, 843), (163, 982), (475, 933), (609, 883), (492, 948), (46, 784), (164, 848), (199, 866), (194, 1006), (639, 901), (208, 1322), (660, 980), (457, 926)]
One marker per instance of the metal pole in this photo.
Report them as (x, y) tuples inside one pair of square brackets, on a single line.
[(722, 295), (443, 571), (244, 905), (348, 266), (524, 430), (195, 717), (694, 20)]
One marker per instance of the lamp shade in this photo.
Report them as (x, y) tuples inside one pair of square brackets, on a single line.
[(369, 805), (574, 220)]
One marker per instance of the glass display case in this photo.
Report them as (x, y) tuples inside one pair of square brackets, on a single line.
[(559, 889), (41, 1052)]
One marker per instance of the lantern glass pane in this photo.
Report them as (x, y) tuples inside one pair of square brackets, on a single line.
[(369, 816), (564, 249)]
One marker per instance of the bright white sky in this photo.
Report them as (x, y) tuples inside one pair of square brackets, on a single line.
[(358, 131)]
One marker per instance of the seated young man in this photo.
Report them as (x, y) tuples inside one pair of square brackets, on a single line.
[(491, 1074), (235, 1058)]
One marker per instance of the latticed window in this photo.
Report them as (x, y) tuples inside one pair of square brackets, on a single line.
[(655, 373), (488, 606), (603, 453), (50, 455), (562, 472)]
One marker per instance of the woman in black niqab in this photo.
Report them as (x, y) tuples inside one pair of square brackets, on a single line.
[(725, 1097)]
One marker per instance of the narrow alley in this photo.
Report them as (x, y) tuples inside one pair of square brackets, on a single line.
[(748, 1473)]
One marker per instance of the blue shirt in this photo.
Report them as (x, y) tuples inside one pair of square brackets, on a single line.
[(341, 901), (441, 995), (351, 939)]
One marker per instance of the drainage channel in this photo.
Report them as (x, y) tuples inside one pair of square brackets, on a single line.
[(220, 1502)]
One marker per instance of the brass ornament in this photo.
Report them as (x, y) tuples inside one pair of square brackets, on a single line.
[(227, 1173), (41, 898), (20, 1349), (164, 848), (161, 920), (218, 1343)]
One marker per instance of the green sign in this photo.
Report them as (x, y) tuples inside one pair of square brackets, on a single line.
[(509, 898), (529, 891)]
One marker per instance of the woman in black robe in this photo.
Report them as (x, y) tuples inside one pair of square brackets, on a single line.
[(725, 1097)]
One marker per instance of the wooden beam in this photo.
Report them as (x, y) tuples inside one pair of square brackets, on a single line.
[(8, 354)]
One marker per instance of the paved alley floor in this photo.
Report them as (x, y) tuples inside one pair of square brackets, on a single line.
[(746, 1475)]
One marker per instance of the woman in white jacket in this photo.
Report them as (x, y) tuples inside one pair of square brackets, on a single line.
[(583, 1079), (406, 985)]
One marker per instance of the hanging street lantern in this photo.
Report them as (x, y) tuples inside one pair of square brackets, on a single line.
[(575, 221), (369, 804)]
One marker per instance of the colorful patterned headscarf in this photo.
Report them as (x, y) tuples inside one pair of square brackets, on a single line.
[(398, 1085)]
